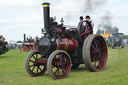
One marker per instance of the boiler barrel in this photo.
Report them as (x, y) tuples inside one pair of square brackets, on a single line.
[(66, 44), (45, 45)]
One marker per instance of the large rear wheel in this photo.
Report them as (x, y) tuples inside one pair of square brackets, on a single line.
[(95, 53)]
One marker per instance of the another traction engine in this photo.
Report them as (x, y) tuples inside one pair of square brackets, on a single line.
[(28, 45), (3, 45)]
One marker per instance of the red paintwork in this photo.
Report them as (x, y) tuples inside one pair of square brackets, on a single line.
[(84, 35), (66, 44), (59, 30), (40, 61), (28, 47)]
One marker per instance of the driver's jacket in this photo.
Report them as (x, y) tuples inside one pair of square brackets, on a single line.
[(86, 27)]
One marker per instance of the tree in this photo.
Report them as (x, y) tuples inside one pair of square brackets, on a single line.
[(98, 32), (19, 41)]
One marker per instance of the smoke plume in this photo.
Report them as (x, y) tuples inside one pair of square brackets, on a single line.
[(72, 9), (91, 5), (106, 23)]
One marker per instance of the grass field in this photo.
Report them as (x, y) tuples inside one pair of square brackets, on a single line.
[(12, 71)]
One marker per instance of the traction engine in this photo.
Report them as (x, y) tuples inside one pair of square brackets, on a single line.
[(59, 50)]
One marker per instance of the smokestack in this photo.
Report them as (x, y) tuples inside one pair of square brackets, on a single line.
[(24, 37), (46, 15)]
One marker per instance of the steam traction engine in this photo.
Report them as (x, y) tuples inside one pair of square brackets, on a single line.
[(117, 41), (60, 49), (28, 45)]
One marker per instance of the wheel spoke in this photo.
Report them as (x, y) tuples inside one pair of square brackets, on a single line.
[(65, 63), (101, 48), (96, 44), (56, 71), (33, 68), (40, 68), (93, 51), (37, 69), (33, 57), (63, 70), (61, 58), (36, 56), (31, 65), (101, 58), (101, 55), (93, 46), (31, 61)]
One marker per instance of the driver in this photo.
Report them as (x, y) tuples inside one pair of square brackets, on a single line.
[(87, 28), (88, 23), (80, 23)]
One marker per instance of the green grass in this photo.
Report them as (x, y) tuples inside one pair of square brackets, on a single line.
[(12, 71)]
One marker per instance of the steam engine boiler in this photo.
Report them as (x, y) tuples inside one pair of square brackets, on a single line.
[(60, 49)]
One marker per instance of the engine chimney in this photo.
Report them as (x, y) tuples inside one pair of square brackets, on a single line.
[(24, 37), (46, 15)]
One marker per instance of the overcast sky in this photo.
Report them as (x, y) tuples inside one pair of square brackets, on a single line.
[(26, 16)]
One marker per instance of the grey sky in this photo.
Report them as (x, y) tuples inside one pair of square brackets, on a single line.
[(25, 16)]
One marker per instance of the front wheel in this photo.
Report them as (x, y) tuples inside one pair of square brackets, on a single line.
[(33, 68), (59, 64), (95, 52)]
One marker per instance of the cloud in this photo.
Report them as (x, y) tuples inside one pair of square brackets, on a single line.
[(119, 14), (26, 16), (19, 3), (70, 10), (20, 16)]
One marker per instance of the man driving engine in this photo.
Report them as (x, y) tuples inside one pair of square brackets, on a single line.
[(86, 28)]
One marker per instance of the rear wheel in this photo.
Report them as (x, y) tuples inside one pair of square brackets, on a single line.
[(59, 64), (95, 53)]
